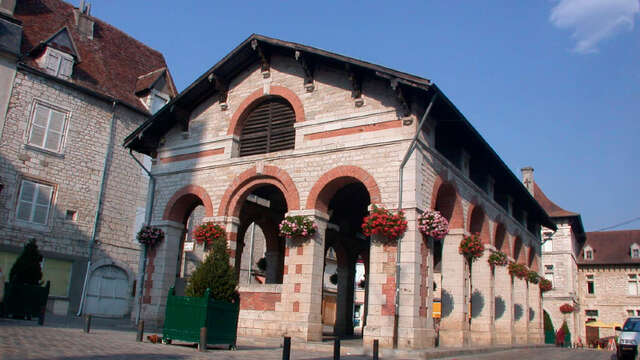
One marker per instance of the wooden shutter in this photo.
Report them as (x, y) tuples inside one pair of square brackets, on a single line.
[(268, 128)]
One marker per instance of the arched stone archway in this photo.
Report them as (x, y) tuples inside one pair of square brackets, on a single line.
[(184, 201), (500, 240), (517, 250), (333, 180), (445, 199), (478, 223)]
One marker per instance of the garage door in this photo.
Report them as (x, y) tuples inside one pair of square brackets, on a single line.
[(108, 293)]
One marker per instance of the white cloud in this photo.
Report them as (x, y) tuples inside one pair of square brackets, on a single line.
[(594, 20)]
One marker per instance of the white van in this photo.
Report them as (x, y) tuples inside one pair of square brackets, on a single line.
[(629, 339)]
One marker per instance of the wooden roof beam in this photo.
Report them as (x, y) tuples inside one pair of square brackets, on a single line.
[(308, 68), (264, 57)]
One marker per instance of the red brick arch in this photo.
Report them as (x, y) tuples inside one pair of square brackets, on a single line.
[(250, 179), (518, 250), (184, 201), (250, 101), (445, 199), (333, 180), (477, 223), (500, 239), (532, 262)]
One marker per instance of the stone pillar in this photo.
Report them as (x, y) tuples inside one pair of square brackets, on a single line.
[(482, 302), (454, 328), (382, 286), (303, 274), (161, 272), (536, 329), (503, 306), (273, 263), (521, 311), (344, 311)]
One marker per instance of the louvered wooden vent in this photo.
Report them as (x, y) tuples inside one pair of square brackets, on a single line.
[(268, 128)]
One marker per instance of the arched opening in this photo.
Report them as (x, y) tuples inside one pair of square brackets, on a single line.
[(267, 127), (500, 237), (108, 292), (261, 211), (347, 256), (517, 248), (447, 204), (478, 224)]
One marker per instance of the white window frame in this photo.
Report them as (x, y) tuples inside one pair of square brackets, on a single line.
[(590, 278), (155, 93), (58, 70), (588, 253), (635, 248), (633, 280), (34, 204), (47, 129)]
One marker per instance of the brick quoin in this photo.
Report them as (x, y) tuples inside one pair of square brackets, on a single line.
[(333, 180), (300, 250), (354, 130), (424, 254), (285, 270), (191, 156), (184, 200), (296, 287), (445, 199), (251, 102), (263, 301), (248, 180), (296, 306), (298, 268), (148, 282), (389, 287), (477, 223)]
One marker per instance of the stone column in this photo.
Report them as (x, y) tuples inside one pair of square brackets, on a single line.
[(301, 304), (161, 272), (454, 328), (273, 261), (482, 302), (382, 286), (344, 311), (536, 330), (503, 306), (521, 311)]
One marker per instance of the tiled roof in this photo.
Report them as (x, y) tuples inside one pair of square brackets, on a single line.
[(611, 247), (110, 63), (549, 206)]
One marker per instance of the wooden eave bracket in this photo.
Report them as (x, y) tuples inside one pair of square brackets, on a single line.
[(221, 86), (397, 89), (264, 58), (356, 86), (181, 116), (307, 67)]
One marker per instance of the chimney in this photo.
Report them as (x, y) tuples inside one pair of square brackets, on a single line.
[(527, 178), (7, 6), (84, 22)]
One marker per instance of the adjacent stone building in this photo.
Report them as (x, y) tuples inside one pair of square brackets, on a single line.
[(75, 88), (323, 135), (598, 273)]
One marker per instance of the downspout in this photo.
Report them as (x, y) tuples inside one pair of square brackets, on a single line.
[(98, 208), (147, 221), (407, 155)]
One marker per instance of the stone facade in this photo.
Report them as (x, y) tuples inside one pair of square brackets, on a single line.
[(341, 139)]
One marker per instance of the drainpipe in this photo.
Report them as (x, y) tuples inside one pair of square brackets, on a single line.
[(98, 208), (147, 221), (410, 150)]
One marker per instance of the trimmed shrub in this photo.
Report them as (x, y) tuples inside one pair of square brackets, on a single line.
[(26, 269), (215, 273)]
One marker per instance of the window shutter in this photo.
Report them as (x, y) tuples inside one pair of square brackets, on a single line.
[(66, 66), (53, 63), (43, 201), (268, 128), (25, 202), (56, 127)]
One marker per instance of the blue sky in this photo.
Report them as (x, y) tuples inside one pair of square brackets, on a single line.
[(554, 84)]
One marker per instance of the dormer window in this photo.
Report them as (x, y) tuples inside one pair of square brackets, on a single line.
[(58, 63), (157, 100), (635, 251), (588, 253)]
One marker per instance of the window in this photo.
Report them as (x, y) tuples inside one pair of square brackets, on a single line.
[(58, 63), (547, 244), (59, 273), (591, 312), (47, 128), (548, 273), (34, 201), (157, 101), (591, 285), (633, 288), (629, 312), (588, 254), (268, 128), (635, 251)]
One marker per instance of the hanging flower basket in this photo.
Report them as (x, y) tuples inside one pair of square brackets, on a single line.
[(533, 277), (432, 224), (383, 222), (208, 233), (150, 236), (498, 258), (471, 247), (298, 227), (518, 270), (545, 285), (566, 308)]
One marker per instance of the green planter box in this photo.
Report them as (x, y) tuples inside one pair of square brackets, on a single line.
[(28, 301), (549, 337), (185, 315)]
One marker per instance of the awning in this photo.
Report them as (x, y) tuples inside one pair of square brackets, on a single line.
[(600, 324)]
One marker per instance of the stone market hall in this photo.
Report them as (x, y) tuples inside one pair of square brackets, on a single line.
[(276, 129)]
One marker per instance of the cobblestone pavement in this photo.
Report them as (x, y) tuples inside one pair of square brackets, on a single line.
[(26, 340)]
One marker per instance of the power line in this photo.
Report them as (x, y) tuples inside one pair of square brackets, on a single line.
[(622, 223)]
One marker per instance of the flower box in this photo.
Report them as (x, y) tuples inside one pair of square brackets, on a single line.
[(545, 285), (208, 233), (566, 308), (432, 224), (383, 222), (498, 258), (518, 270), (297, 227), (471, 247), (150, 236), (533, 277)]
